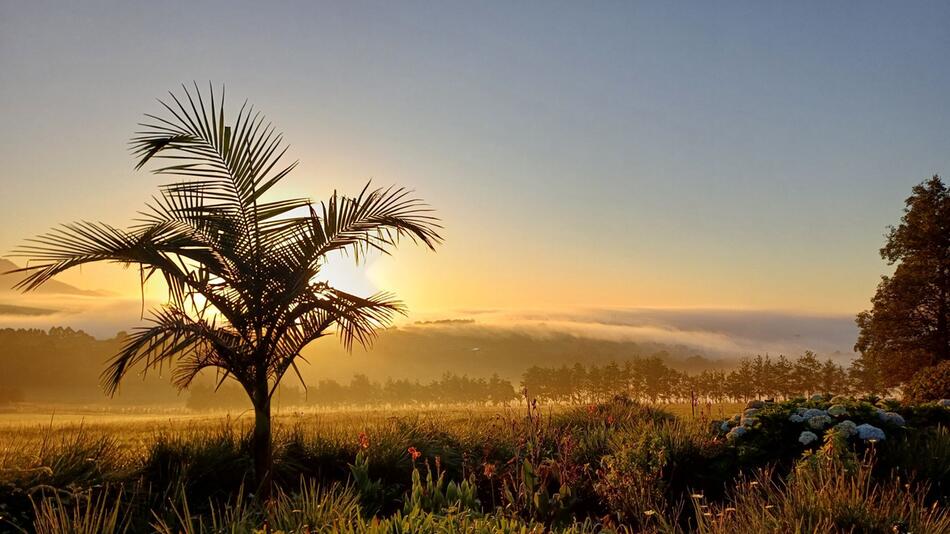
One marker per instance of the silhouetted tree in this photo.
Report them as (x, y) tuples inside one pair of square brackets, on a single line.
[(241, 269), (908, 325)]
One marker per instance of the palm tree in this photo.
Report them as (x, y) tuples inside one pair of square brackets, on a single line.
[(241, 268)]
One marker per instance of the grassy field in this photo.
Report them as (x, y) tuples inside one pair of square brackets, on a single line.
[(24, 430), (613, 467)]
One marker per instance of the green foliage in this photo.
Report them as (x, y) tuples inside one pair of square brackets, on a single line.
[(371, 492), (823, 496), (205, 465), (654, 468), (438, 496), (71, 464), (908, 326), (929, 384)]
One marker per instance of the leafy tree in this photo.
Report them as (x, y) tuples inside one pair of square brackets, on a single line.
[(908, 325), (241, 268), (929, 384)]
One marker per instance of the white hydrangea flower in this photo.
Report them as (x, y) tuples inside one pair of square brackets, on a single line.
[(944, 402), (795, 418), (837, 410), (736, 433), (839, 399), (813, 412), (819, 421), (806, 437), (847, 428), (870, 433)]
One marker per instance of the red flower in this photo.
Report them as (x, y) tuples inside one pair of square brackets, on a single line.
[(414, 452), (364, 441)]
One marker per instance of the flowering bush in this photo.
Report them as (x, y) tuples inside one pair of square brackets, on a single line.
[(778, 431)]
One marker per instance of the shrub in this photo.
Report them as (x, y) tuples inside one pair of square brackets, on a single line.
[(656, 466)]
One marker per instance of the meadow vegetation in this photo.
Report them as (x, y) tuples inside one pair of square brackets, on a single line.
[(613, 466)]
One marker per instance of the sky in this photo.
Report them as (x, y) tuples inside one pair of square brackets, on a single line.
[(729, 156)]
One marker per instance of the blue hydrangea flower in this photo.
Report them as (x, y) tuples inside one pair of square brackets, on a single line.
[(736, 433), (870, 433), (806, 438), (812, 412), (795, 418), (892, 418), (819, 421)]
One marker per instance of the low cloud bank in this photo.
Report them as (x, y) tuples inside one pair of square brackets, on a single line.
[(713, 331)]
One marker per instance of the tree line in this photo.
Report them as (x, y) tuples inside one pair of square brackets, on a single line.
[(450, 389), (651, 379), (647, 379)]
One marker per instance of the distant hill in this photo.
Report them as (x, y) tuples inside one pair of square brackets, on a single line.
[(63, 365), (53, 287), (425, 352)]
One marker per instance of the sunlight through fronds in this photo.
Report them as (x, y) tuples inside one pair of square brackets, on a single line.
[(240, 268)]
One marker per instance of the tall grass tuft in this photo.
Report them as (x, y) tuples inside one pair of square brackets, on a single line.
[(823, 496), (102, 512)]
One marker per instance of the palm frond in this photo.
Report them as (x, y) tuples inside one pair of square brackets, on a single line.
[(213, 234), (173, 336)]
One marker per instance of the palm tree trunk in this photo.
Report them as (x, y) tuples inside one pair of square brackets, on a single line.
[(262, 443)]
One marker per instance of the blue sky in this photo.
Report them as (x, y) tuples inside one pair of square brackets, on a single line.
[(718, 155)]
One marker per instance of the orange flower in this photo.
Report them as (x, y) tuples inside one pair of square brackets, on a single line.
[(414, 452), (489, 470), (364, 441)]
